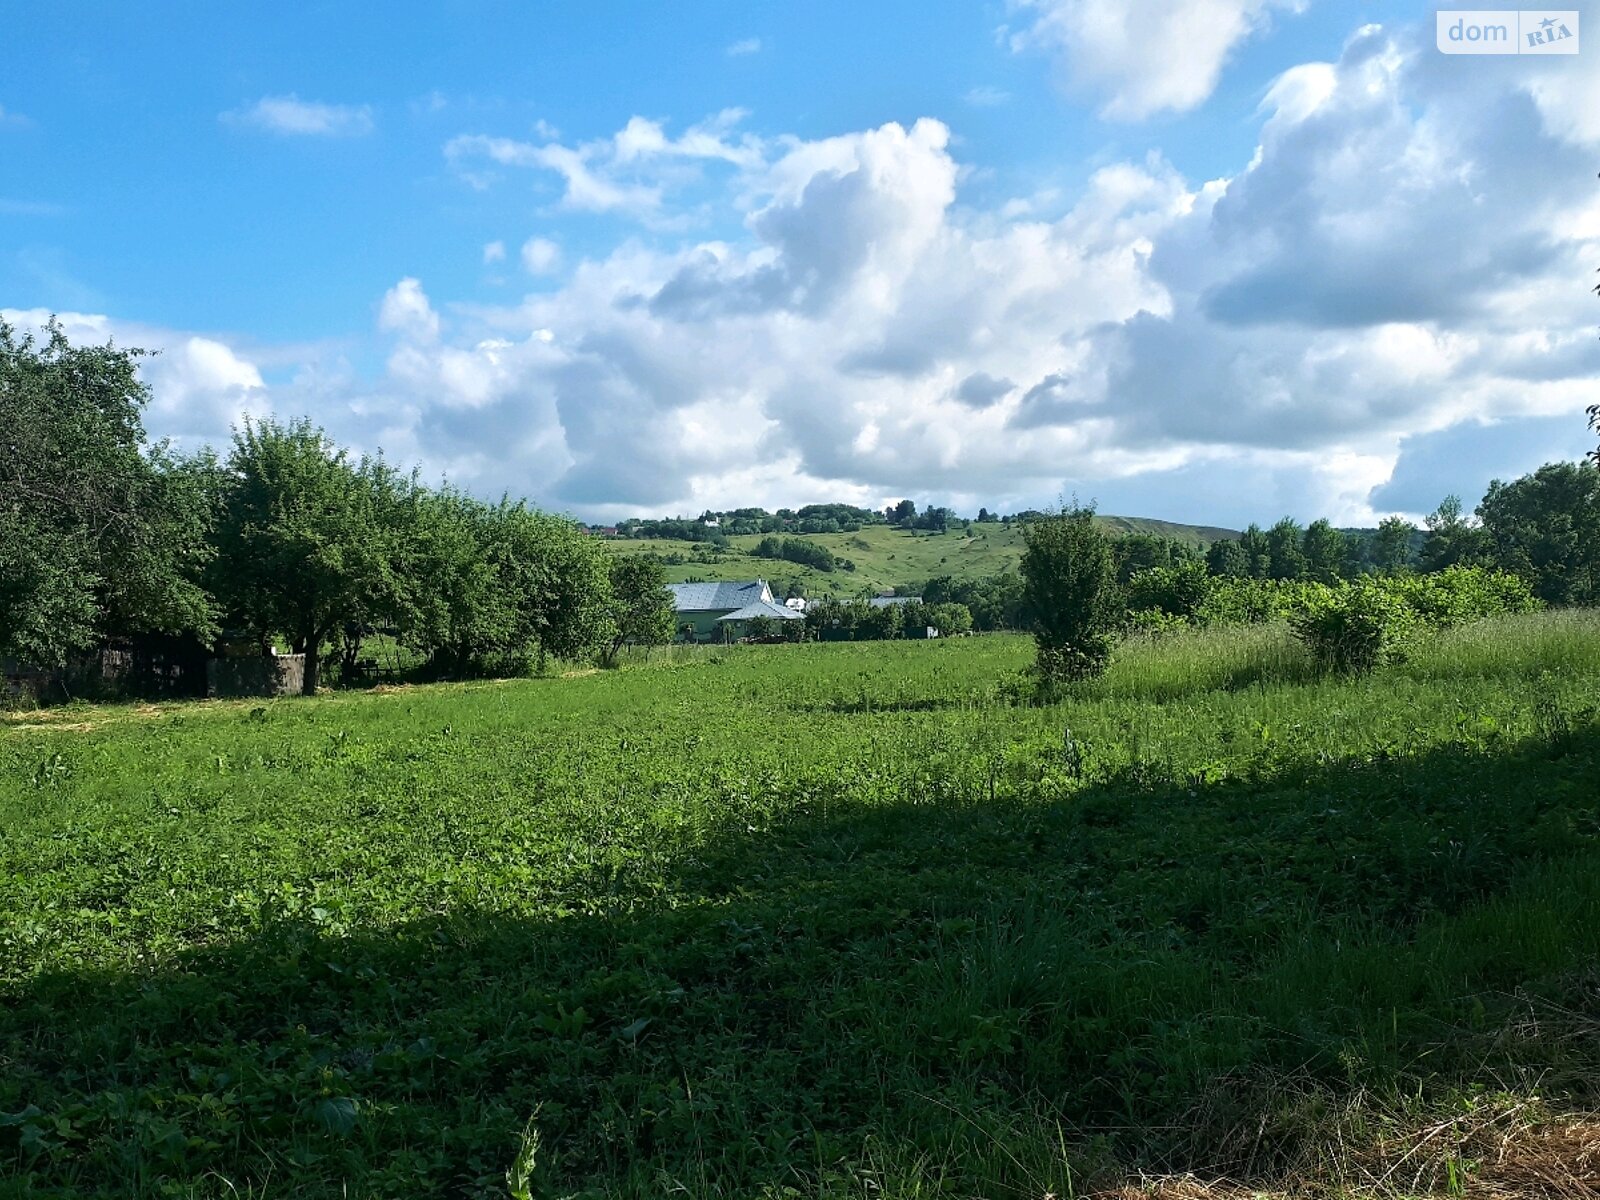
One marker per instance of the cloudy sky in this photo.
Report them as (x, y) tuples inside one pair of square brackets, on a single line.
[(1210, 260)]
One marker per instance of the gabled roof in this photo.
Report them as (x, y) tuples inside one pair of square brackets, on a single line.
[(893, 601), (715, 597), (762, 608)]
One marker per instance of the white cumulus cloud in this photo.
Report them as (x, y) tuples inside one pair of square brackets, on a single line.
[(1142, 56), (406, 310)]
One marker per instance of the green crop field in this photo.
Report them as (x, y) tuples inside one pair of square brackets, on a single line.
[(885, 556), (813, 921)]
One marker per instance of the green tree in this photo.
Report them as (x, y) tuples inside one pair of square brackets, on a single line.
[(1070, 584), (1453, 539), (558, 581), (100, 535), (1257, 551), (1285, 558), (642, 611), (1227, 559), (307, 541), (1545, 527), (950, 618), (1325, 550), (454, 608), (1137, 552), (1178, 590), (1391, 545)]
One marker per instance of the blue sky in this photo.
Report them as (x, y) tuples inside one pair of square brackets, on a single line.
[(1213, 260)]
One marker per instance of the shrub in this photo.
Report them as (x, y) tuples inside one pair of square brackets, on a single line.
[(1240, 601), (1070, 585), (1459, 595), (1355, 628), (1177, 591)]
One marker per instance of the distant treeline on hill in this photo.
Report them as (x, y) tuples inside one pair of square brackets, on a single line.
[(712, 526)]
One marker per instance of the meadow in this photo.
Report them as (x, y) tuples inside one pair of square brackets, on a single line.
[(818, 921)]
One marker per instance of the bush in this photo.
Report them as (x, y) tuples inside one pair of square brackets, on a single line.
[(1177, 591), (1241, 601), (1153, 623), (1459, 595), (1070, 585), (1355, 628)]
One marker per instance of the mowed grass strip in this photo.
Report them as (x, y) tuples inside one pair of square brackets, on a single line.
[(820, 920)]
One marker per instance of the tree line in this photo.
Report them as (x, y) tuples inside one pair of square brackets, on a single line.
[(286, 536), (1543, 527)]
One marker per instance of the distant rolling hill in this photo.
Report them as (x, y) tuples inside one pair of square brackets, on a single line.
[(884, 556)]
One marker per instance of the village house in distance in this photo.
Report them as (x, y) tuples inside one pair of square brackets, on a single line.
[(708, 612)]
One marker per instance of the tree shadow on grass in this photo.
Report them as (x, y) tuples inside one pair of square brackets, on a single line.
[(961, 989)]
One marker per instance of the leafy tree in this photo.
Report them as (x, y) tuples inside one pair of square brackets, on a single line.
[(903, 513), (1545, 527), (1391, 545), (880, 623), (1069, 579), (453, 607), (1325, 550), (558, 581), (1137, 552), (995, 601), (1177, 591), (1227, 559), (99, 535), (641, 606), (307, 540), (761, 627), (1257, 551), (1285, 558), (1453, 539), (950, 618)]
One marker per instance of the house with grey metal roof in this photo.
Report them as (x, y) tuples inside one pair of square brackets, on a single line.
[(713, 611)]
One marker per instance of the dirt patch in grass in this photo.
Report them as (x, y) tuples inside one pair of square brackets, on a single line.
[(1503, 1155)]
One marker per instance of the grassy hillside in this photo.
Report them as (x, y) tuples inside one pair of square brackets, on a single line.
[(885, 557), (818, 921)]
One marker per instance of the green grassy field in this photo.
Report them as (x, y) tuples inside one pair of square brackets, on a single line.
[(809, 921), (887, 557)]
